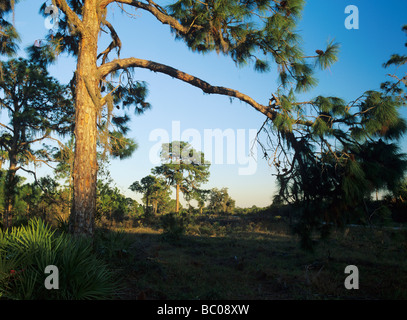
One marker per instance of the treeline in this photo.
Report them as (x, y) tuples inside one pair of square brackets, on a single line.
[(50, 199)]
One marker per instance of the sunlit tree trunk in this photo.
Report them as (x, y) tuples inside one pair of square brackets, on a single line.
[(155, 207), (177, 198), (85, 161), (147, 201)]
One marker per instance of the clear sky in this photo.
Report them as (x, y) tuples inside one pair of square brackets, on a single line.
[(363, 51)]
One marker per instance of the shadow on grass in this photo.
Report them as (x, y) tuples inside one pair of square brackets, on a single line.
[(257, 266)]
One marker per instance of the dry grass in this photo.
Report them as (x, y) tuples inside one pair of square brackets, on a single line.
[(241, 259)]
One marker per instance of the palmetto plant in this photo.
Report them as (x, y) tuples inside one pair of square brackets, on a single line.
[(26, 251)]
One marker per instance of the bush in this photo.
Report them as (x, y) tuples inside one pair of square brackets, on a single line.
[(174, 226), (382, 216), (112, 246), (206, 230), (27, 250)]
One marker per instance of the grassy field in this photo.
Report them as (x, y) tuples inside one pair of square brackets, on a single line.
[(254, 258)]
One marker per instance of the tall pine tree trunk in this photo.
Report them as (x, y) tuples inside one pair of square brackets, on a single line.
[(147, 202), (85, 161), (177, 198)]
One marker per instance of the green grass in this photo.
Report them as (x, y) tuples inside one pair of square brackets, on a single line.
[(251, 258)]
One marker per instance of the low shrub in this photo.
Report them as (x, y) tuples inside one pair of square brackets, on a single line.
[(26, 251), (174, 225), (112, 245), (206, 230)]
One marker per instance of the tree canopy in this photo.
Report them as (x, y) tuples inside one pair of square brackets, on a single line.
[(220, 201), (183, 167), (155, 192)]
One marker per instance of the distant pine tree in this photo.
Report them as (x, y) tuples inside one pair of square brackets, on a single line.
[(155, 191), (183, 167)]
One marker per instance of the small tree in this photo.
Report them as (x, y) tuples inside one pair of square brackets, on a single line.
[(161, 198), (183, 167), (200, 196), (111, 204), (221, 201), (155, 192)]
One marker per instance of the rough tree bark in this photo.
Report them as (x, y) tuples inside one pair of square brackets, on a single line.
[(177, 198), (86, 108)]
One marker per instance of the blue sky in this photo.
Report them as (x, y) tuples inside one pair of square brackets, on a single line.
[(359, 68)]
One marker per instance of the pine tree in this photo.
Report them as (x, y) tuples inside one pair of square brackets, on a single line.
[(183, 167), (349, 152), (37, 106), (154, 191), (200, 196), (111, 204)]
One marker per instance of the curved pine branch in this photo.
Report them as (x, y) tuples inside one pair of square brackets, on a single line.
[(118, 64)]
